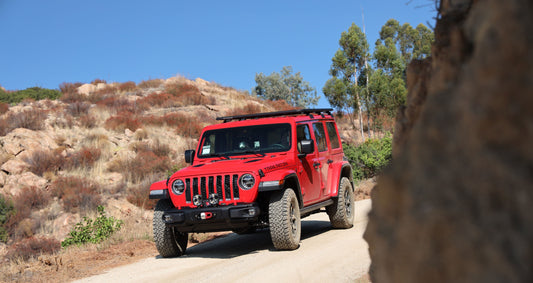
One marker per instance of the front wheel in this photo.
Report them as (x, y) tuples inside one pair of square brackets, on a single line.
[(341, 212), (168, 241), (284, 219)]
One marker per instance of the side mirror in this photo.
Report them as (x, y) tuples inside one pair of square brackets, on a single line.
[(306, 147), (189, 156)]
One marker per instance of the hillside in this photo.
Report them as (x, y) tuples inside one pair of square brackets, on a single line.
[(101, 144)]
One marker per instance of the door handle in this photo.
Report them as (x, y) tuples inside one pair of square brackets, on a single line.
[(316, 165), (330, 161)]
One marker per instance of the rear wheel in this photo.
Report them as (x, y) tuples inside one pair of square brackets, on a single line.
[(341, 212), (168, 241), (284, 219)]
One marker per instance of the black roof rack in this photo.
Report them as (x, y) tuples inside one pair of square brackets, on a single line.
[(309, 112)]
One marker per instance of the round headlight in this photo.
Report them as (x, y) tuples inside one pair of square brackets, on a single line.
[(178, 187), (247, 181)]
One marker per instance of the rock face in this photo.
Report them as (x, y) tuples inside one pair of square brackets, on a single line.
[(456, 204)]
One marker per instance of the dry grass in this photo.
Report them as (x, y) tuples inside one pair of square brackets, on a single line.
[(69, 87), (138, 194), (98, 81), (84, 158), (123, 120), (78, 108), (154, 83), (32, 119), (4, 107), (42, 161), (77, 195), (142, 166), (32, 247), (127, 86), (249, 108)]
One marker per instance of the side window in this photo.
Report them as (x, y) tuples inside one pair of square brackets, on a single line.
[(320, 136), (332, 133), (302, 133)]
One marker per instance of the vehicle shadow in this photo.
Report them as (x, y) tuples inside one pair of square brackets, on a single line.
[(235, 245)]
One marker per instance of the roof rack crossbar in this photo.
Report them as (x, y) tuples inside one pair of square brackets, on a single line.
[(318, 111)]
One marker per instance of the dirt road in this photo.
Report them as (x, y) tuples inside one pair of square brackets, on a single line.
[(324, 255)]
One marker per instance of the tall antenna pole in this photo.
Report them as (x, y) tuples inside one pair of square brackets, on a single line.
[(367, 74)]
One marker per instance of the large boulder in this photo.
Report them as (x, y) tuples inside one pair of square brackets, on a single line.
[(455, 204), (24, 140), (14, 166), (14, 183), (87, 89)]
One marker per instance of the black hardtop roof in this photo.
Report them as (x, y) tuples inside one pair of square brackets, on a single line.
[(310, 112)]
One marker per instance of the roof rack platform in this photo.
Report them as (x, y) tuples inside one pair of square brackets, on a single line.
[(319, 111)]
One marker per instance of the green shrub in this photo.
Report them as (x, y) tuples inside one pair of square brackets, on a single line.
[(36, 93), (93, 230), (369, 158), (6, 210)]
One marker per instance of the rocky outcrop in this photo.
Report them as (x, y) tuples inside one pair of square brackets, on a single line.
[(14, 166), (23, 141), (455, 204), (15, 183), (87, 89)]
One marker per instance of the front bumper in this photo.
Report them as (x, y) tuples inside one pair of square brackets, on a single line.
[(211, 219)]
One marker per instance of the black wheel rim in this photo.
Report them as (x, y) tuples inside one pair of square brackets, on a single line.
[(347, 203), (294, 225)]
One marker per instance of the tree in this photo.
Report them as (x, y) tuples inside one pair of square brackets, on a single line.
[(396, 47), (342, 89), (286, 86)]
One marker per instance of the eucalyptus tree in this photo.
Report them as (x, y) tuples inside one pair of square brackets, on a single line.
[(342, 89), (396, 47)]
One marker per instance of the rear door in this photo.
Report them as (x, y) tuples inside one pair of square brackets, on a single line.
[(322, 162), (335, 156)]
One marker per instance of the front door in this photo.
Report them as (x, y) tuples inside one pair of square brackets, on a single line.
[(308, 174)]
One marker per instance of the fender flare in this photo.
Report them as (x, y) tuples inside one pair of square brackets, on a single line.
[(289, 180), (346, 171)]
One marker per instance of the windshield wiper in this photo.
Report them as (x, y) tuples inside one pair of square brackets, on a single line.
[(217, 155), (255, 152)]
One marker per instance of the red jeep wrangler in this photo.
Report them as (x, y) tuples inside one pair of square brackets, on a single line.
[(256, 171)]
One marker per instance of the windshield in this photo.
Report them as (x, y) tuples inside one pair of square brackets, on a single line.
[(258, 139)]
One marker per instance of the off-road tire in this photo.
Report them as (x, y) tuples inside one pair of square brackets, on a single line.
[(168, 241), (284, 219), (341, 212)]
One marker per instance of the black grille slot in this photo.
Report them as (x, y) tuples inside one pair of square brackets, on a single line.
[(202, 186), (227, 187), (219, 187), (195, 186), (188, 190), (235, 186), (211, 185)]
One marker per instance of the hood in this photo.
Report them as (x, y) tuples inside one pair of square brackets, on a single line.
[(219, 166)]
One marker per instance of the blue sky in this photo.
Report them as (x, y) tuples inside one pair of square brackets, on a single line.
[(45, 43)]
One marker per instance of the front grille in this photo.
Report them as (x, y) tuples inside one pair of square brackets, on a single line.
[(225, 186)]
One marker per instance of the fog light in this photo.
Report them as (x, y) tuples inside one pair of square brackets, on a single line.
[(213, 199), (251, 211), (197, 200)]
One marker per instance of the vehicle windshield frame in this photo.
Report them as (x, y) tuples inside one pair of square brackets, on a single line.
[(245, 140)]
